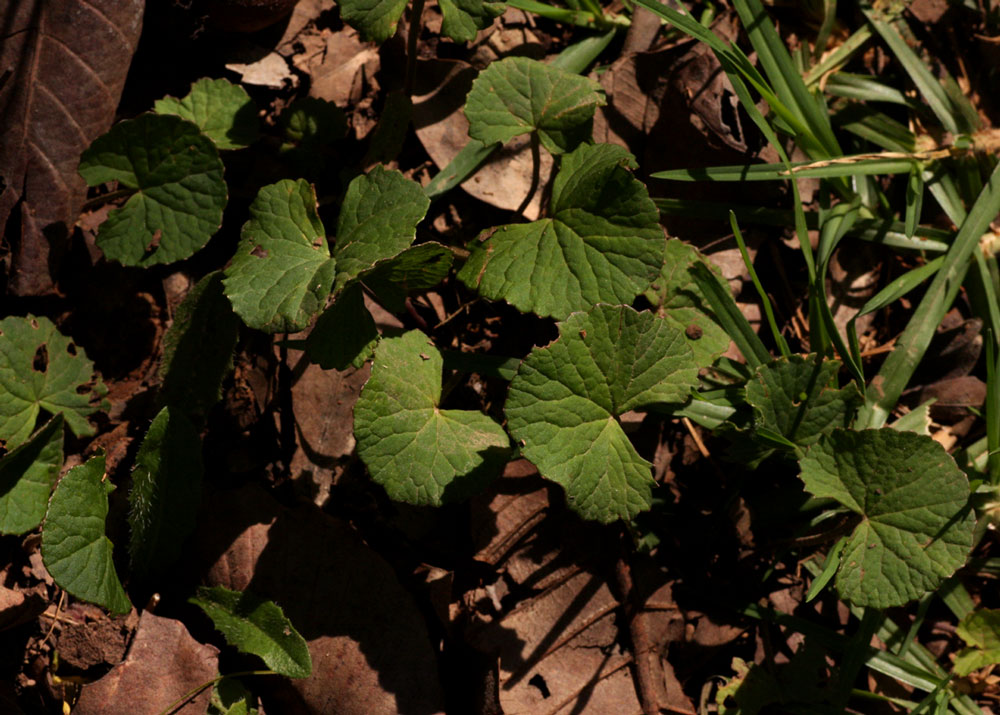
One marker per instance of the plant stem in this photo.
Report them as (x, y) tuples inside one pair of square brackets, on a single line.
[(412, 35), (536, 170)]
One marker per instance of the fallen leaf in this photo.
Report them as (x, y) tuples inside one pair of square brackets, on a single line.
[(163, 663), (370, 650), (64, 65)]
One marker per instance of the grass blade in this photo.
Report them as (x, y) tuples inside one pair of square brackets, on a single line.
[(855, 165), (930, 88), (765, 301), (839, 57), (464, 165), (901, 363), (729, 316)]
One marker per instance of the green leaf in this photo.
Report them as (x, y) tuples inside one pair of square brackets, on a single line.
[(418, 452), (679, 299), (415, 269), (222, 110), (518, 95), (42, 369), (166, 493), (282, 272), (602, 243), (176, 174), (345, 333), (378, 220), (565, 401), (375, 20), (981, 631), (230, 697), (198, 349), (75, 550), (311, 125), (255, 625), (26, 478), (464, 18), (796, 398), (915, 530)]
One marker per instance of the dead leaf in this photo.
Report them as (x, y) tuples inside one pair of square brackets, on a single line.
[(163, 663), (559, 652), (84, 643), (264, 70), (369, 644), (342, 67), (62, 68), (442, 128), (324, 424)]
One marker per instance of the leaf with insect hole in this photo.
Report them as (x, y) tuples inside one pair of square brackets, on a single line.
[(43, 370)]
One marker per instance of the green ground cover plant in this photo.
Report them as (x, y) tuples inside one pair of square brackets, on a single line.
[(642, 325)]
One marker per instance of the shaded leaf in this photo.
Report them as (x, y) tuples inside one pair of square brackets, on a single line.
[(255, 625), (41, 369), (166, 493), (518, 95), (916, 529), (464, 18), (311, 125), (176, 174), (795, 398), (282, 272), (222, 110), (418, 452), (378, 220), (565, 400), (26, 478), (415, 269), (345, 333), (602, 243), (75, 550), (198, 349)]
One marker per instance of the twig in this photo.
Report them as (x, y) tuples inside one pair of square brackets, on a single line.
[(644, 652)]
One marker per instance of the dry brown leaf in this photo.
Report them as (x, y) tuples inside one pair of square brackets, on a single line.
[(369, 644), (442, 128), (341, 67), (62, 68), (559, 652), (162, 664)]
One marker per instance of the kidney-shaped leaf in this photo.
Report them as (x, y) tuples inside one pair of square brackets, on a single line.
[(282, 272), (793, 396), (75, 550), (375, 20), (41, 369), (418, 452), (519, 95), (255, 625), (222, 110), (464, 18), (566, 398), (26, 478), (378, 220), (176, 174), (916, 528), (602, 243)]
